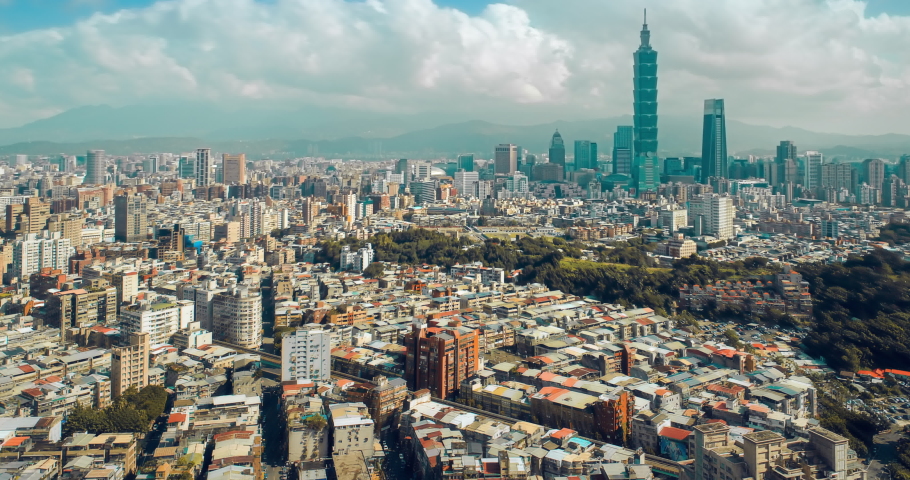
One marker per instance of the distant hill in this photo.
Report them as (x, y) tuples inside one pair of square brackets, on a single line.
[(342, 133)]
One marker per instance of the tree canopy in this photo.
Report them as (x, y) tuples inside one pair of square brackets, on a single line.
[(131, 412)]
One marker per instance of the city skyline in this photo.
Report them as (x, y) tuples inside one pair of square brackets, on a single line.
[(544, 69)]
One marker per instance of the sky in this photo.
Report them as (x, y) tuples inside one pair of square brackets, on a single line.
[(824, 65)]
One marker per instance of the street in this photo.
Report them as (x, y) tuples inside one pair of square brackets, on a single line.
[(393, 465), (884, 453)]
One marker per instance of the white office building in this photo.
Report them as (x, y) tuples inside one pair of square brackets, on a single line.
[(35, 252), (712, 214), (306, 354), (358, 261), (161, 316), (466, 183)]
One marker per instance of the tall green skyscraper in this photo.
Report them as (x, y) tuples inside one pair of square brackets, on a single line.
[(558, 150), (187, 166), (466, 162), (622, 149), (646, 173), (645, 95), (585, 154)]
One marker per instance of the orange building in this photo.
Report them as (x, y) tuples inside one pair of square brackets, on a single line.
[(439, 358)]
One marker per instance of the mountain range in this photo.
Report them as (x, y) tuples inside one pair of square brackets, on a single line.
[(347, 134)]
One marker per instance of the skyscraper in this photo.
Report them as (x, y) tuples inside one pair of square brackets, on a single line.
[(466, 162), (234, 168), (204, 167), (786, 150), (874, 172), (646, 173), (813, 174), (130, 218), (622, 149), (712, 214), (95, 171), (186, 167), (585, 154), (786, 163), (558, 150), (903, 168), (645, 95), (466, 183), (506, 159), (714, 141)]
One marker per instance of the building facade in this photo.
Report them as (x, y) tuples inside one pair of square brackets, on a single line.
[(306, 354)]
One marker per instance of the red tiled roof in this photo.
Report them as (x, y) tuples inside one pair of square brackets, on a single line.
[(176, 418), (562, 433), (14, 441), (674, 433)]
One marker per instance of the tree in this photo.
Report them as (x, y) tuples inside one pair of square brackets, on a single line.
[(279, 333), (734, 340), (374, 270), (316, 422)]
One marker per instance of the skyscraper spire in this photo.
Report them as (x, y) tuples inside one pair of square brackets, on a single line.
[(645, 96), (645, 33)]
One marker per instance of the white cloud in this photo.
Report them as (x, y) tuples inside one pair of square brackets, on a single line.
[(819, 65)]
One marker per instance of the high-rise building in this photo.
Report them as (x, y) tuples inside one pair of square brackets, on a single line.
[(622, 149), (309, 210), (131, 218), (234, 168), (466, 162), (547, 172), (95, 168), (130, 365), (161, 316), (506, 158), (646, 173), (439, 358), (903, 168), (585, 154), (150, 164), (204, 167), (557, 152), (874, 172), (424, 192), (466, 183), (28, 217), (69, 225), (358, 261), (714, 141), (186, 167), (786, 151), (830, 228), (812, 178), (237, 316), (83, 308), (893, 192), (786, 163), (839, 175), (645, 95), (306, 354), (712, 214), (35, 251), (517, 185)]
